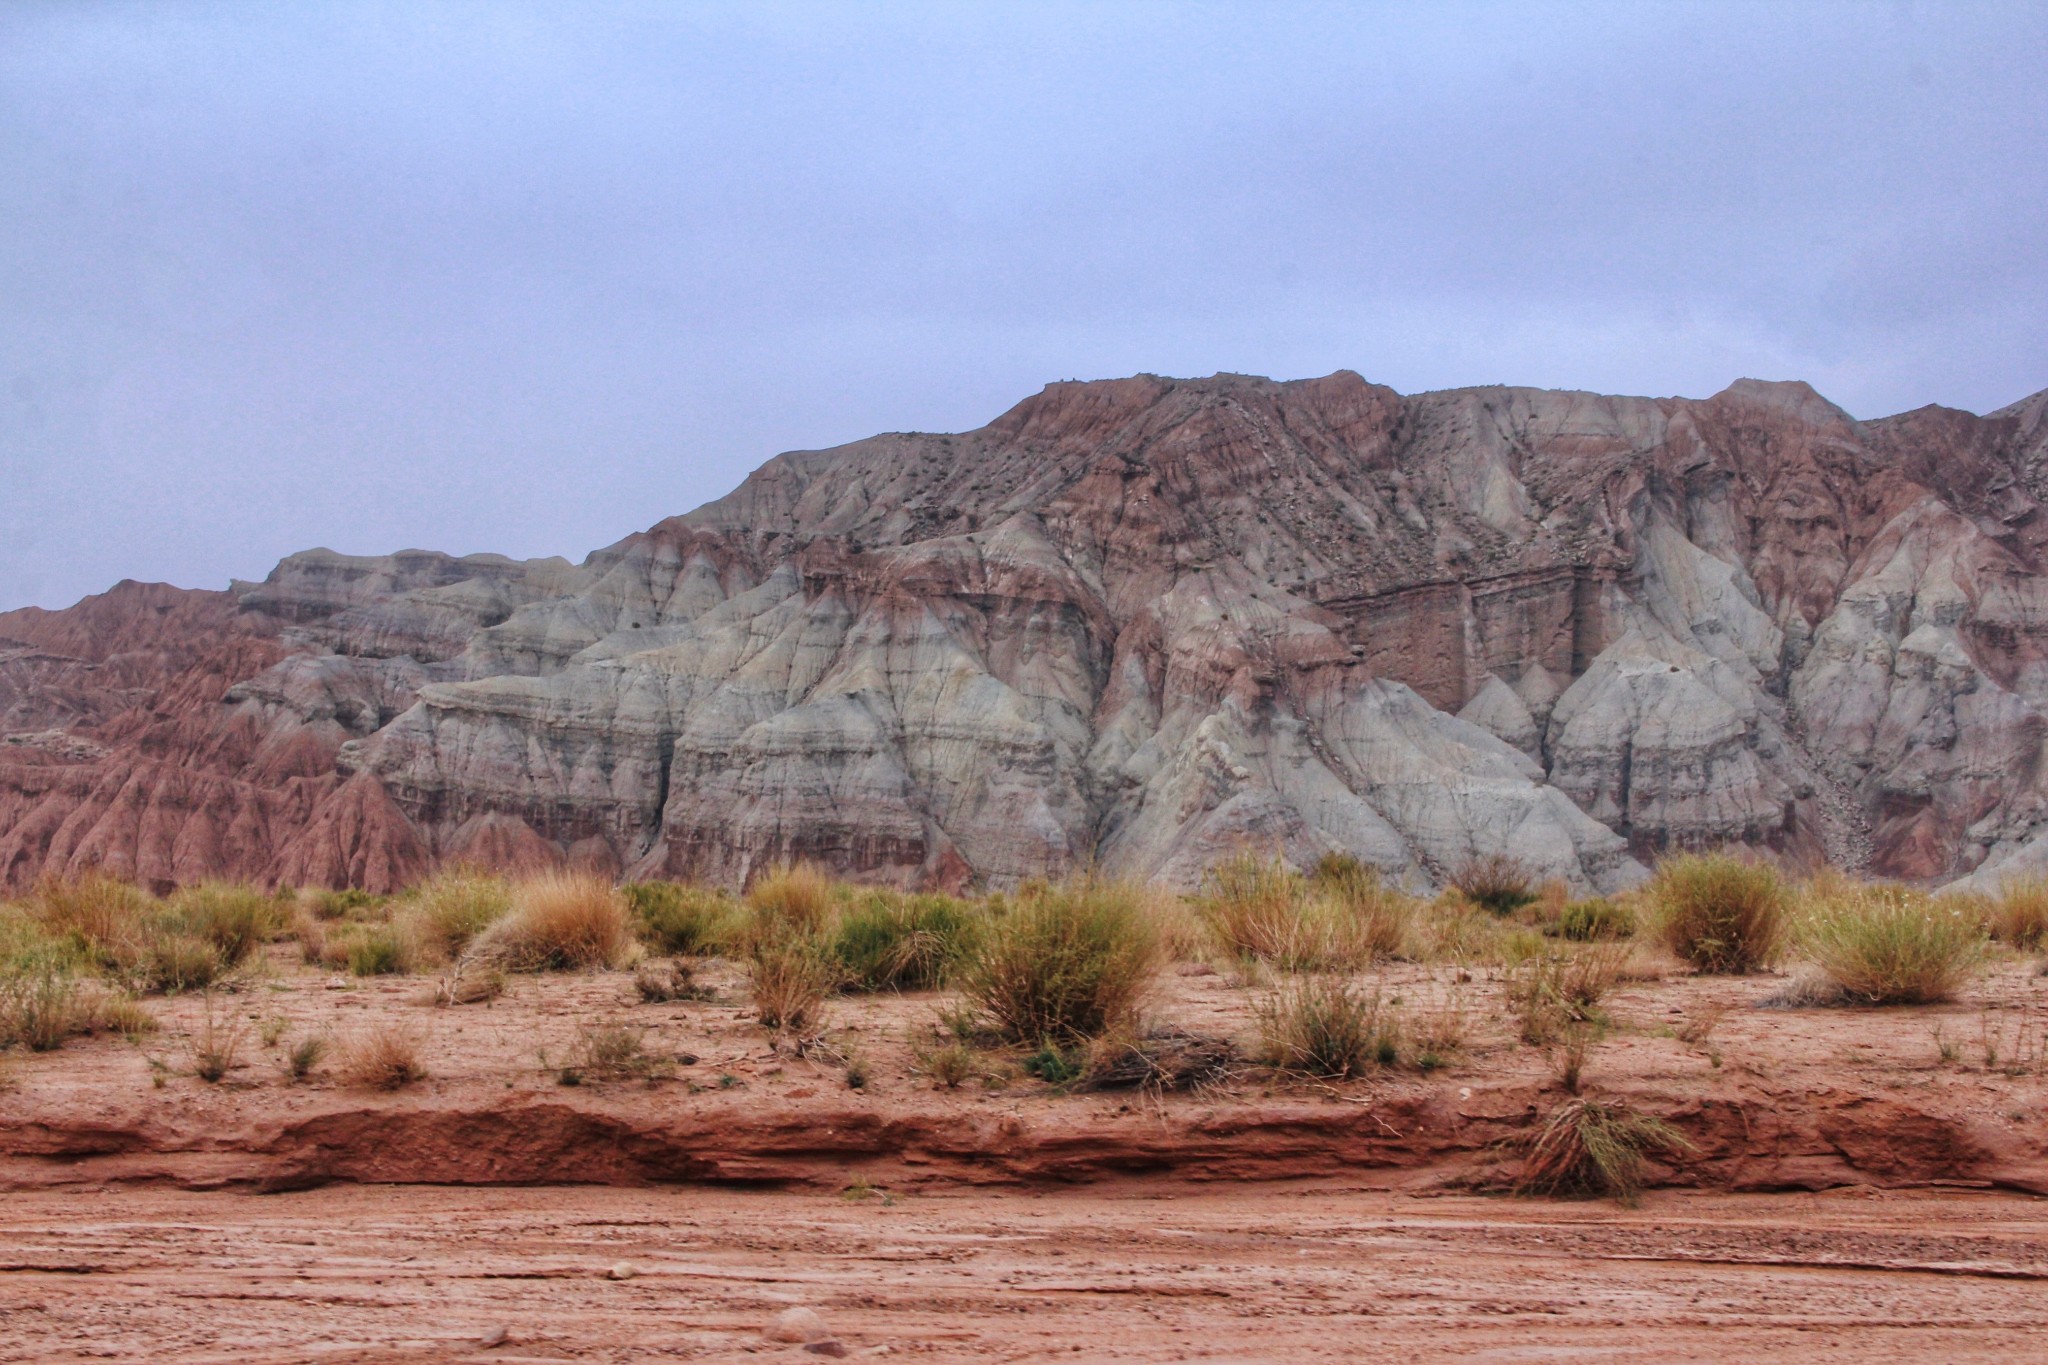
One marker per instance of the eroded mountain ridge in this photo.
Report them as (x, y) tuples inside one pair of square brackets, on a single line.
[(1131, 624)]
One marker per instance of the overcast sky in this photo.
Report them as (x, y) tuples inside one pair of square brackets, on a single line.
[(527, 278)]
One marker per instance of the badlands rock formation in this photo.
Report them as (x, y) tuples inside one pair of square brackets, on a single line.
[(1132, 624)]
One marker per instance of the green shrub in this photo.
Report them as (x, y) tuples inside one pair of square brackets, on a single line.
[(1055, 1065), (1068, 963), (1327, 1027), (174, 962), (888, 941), (327, 904), (375, 950), (1495, 882), (236, 920), (676, 920), (1719, 913), (1891, 945)]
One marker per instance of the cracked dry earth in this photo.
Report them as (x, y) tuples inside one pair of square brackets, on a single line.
[(1133, 1272)]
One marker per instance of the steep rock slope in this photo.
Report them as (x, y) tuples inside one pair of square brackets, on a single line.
[(1131, 624)]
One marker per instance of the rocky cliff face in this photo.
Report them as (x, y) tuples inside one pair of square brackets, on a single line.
[(1132, 624)]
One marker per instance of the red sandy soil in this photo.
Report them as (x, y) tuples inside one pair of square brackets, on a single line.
[(1857, 1188), (1137, 1271)]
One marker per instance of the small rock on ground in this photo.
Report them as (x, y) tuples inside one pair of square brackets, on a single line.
[(799, 1324)]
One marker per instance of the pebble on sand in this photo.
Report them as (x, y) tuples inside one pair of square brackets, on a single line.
[(799, 1324), (622, 1271)]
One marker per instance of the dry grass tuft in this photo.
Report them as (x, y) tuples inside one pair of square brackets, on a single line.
[(1070, 962), (611, 1050), (438, 919), (1587, 1148), (1892, 945), (381, 1057), (302, 1059), (1339, 917), (2018, 914), (1719, 913), (1324, 1026), (108, 917), (560, 921), (1555, 991), (1495, 882), (1157, 1060), (797, 898), (215, 1047), (948, 1065), (790, 973)]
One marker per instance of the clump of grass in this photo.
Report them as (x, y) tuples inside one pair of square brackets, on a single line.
[(1070, 962), (375, 950), (303, 1058), (109, 919), (310, 932), (1496, 882), (2018, 914), (173, 962), (678, 920), (611, 1050), (1891, 945), (1327, 1027), (323, 903), (1553, 991), (40, 1005), (560, 921), (790, 972), (798, 898), (235, 920), (947, 1065), (1598, 918), (1056, 1065), (1587, 1149), (1719, 913), (381, 1057), (1339, 916), (154, 946), (216, 1046), (1370, 918), (887, 941), (1253, 906), (438, 919), (1452, 929)]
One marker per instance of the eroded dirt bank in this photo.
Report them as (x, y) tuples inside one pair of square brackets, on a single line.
[(1124, 1271), (1769, 1099)]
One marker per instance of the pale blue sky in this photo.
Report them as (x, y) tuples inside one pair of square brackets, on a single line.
[(529, 277)]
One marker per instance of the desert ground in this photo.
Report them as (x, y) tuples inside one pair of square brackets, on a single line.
[(1132, 1269), (1852, 1182)]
